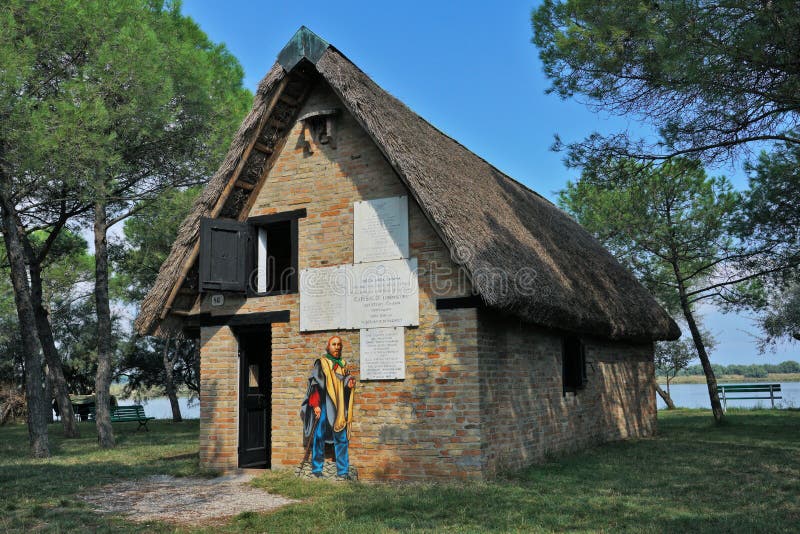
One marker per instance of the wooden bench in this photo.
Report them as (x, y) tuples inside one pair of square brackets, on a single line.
[(128, 414), (748, 391)]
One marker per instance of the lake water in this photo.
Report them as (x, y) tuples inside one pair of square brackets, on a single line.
[(160, 408), (684, 396), (696, 396)]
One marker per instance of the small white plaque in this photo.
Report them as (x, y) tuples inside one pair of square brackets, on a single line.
[(217, 300), (380, 230), (383, 354), (383, 294), (323, 298)]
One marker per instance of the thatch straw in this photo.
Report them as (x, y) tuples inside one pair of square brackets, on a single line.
[(154, 302), (524, 255)]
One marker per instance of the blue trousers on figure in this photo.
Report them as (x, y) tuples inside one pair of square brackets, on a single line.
[(339, 445)]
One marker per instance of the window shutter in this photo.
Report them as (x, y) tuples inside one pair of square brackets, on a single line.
[(223, 255)]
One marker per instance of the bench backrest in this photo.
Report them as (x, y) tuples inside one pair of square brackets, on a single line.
[(749, 388), (120, 411)]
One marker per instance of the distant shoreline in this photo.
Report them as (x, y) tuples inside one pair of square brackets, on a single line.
[(118, 389), (722, 379)]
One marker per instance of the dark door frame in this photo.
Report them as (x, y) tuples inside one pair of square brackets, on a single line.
[(243, 325), (255, 410)]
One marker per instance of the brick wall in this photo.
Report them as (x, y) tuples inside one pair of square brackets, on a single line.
[(219, 406), (474, 399), (526, 415), (426, 425)]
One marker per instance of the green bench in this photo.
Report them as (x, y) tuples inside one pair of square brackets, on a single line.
[(748, 391), (128, 414)]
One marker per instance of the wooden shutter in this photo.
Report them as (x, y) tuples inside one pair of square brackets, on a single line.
[(223, 255)]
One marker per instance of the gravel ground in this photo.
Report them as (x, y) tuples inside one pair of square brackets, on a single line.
[(187, 501)]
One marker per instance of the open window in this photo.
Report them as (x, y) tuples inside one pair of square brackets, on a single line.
[(258, 256), (573, 357), (275, 269)]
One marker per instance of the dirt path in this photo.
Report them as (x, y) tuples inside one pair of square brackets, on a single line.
[(188, 501)]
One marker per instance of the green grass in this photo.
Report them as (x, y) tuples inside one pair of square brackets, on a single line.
[(743, 476), (38, 495)]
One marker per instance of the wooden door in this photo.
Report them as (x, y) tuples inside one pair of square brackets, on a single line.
[(255, 395)]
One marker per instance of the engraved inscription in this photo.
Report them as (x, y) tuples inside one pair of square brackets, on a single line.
[(383, 354)]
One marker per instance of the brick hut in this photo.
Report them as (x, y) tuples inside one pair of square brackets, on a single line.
[(487, 328)]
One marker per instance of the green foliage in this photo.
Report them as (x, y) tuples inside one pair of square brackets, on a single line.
[(761, 370), (671, 357), (781, 320), (110, 102), (710, 76), (149, 235), (715, 79), (11, 353), (771, 203), (129, 90), (671, 224), (67, 275), (143, 366), (789, 366), (773, 218)]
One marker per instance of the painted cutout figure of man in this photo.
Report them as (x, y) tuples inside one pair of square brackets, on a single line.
[(329, 404)]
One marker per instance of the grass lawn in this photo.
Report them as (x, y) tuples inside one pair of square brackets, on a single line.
[(743, 476)]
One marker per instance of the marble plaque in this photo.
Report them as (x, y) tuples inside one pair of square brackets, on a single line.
[(383, 354), (380, 230), (323, 298), (383, 294)]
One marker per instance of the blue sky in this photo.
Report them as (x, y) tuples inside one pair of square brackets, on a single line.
[(470, 69)]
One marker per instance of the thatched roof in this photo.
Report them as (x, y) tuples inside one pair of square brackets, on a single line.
[(525, 257)]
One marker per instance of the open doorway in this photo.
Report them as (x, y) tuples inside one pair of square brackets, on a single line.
[(255, 396)]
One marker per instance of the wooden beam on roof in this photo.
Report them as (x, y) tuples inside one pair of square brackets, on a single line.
[(260, 319), (260, 183), (294, 102), (224, 195), (245, 185), (278, 124), (264, 149)]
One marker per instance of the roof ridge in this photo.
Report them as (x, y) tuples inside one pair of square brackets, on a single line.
[(445, 134), (568, 280)]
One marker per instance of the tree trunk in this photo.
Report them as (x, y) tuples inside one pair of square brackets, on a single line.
[(169, 384), (48, 394), (666, 397), (54, 366), (34, 379), (102, 383), (711, 380)]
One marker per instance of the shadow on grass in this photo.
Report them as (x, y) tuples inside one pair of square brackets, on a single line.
[(41, 494), (695, 476)]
